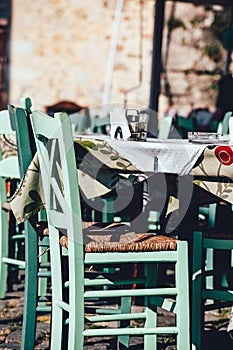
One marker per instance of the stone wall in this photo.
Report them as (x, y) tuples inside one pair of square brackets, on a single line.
[(60, 50)]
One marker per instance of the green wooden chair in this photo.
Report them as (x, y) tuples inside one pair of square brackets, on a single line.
[(220, 290), (165, 127), (10, 233), (37, 271), (78, 122), (184, 125), (99, 125), (223, 126), (214, 124), (94, 244)]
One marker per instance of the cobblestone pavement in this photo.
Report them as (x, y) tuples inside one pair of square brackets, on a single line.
[(11, 310)]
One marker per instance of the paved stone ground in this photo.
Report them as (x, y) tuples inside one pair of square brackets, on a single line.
[(11, 310)]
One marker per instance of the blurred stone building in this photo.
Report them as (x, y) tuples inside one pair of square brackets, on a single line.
[(63, 50)]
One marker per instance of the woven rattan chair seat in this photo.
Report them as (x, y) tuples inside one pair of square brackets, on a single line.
[(103, 237)]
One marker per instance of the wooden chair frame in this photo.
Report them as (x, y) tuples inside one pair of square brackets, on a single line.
[(59, 175), (9, 169), (35, 287)]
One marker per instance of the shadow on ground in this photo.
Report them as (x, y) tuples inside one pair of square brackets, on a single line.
[(11, 311), (217, 340)]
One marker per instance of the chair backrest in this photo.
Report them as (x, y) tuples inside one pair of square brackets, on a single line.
[(20, 120), (9, 166), (79, 122), (223, 126), (214, 124), (26, 103), (34, 286), (165, 127), (54, 142), (184, 125), (55, 149), (5, 123), (99, 124), (25, 139)]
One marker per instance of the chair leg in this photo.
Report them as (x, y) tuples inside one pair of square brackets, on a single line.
[(182, 285), (57, 324), (125, 308), (76, 318), (3, 269), (56, 328), (150, 341), (197, 307), (30, 291), (151, 273), (4, 237), (3, 252), (42, 282), (59, 337)]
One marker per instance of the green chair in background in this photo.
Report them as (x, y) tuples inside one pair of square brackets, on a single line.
[(109, 245), (223, 126), (37, 271), (214, 124), (211, 282), (184, 125), (100, 125), (78, 122), (220, 290), (11, 236), (165, 127)]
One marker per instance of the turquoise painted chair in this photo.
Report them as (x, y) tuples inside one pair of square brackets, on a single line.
[(223, 126), (220, 290), (165, 127), (214, 124), (99, 124), (37, 271), (11, 235), (184, 125), (94, 244), (78, 122)]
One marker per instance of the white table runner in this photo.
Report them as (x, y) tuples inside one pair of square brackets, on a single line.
[(175, 156)]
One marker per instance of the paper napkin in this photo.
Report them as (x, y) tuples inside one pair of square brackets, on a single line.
[(119, 125)]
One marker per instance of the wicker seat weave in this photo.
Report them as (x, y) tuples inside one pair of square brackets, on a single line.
[(102, 237)]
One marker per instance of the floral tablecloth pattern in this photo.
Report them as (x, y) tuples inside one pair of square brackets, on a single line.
[(216, 161), (100, 167), (96, 176)]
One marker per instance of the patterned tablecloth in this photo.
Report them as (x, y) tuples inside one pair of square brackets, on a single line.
[(216, 162), (101, 162)]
